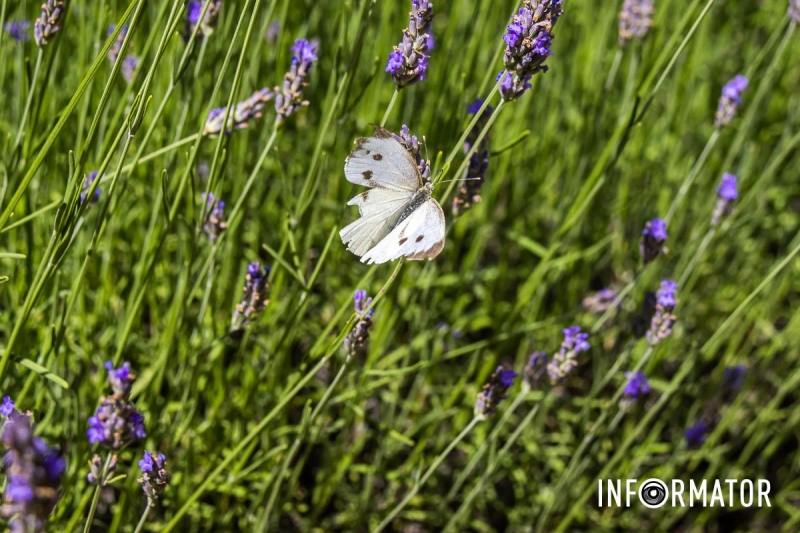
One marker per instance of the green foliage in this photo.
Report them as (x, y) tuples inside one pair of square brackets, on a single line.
[(273, 427)]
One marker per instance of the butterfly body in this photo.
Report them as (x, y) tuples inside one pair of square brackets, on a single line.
[(399, 217)]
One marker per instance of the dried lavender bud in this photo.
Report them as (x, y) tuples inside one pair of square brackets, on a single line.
[(494, 391), (600, 301), (155, 476), (535, 370), (193, 12), (255, 296), (116, 48), (129, 66), (564, 361), (48, 23), (729, 100), (513, 86), (289, 98), (116, 423), (411, 143), (696, 435), (87, 185), (636, 386), (18, 30), (33, 472), (356, 344), (654, 235), (529, 37), (469, 192), (215, 222), (663, 319), (8, 407), (726, 193), (635, 20), (794, 11), (243, 113), (408, 63), (95, 475)]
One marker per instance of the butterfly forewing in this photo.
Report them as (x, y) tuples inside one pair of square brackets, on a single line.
[(381, 161)]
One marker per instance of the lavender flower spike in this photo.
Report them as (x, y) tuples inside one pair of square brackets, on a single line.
[(255, 296), (8, 407), (48, 23), (241, 115), (155, 476), (411, 143), (18, 30), (512, 85), (636, 387), (564, 361), (535, 370), (356, 344), (600, 301), (129, 66), (729, 100), (494, 392), (116, 47), (289, 98), (469, 192), (116, 423), (529, 37), (208, 24), (726, 193), (87, 186), (214, 223), (635, 20), (794, 11), (408, 63), (654, 235), (663, 319), (33, 472), (696, 435)]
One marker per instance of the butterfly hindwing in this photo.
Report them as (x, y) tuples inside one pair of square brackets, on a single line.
[(380, 209), (419, 236), (382, 162)]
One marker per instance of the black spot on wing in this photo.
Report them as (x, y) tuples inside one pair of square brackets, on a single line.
[(377, 157), (403, 240), (420, 238), (367, 174), (364, 195)]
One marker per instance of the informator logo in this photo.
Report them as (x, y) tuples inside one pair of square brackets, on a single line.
[(654, 493)]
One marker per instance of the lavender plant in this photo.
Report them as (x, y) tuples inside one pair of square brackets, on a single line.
[(49, 22), (408, 63)]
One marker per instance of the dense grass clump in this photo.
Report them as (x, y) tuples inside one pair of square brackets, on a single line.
[(187, 345)]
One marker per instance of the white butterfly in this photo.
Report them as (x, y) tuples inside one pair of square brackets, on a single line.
[(398, 215)]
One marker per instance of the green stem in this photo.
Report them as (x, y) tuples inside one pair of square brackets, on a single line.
[(96, 497), (390, 106), (415, 489), (143, 519), (28, 101), (612, 73), (687, 182)]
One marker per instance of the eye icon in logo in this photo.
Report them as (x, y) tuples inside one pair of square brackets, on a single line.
[(653, 493)]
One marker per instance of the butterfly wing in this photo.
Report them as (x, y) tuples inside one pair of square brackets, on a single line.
[(419, 236), (382, 162), (380, 209)]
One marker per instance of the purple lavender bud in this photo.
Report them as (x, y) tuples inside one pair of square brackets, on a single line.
[(255, 296), (96, 476), (18, 30), (726, 193), (116, 48), (115, 424), (654, 235), (273, 31), (663, 319), (33, 472), (120, 379), (529, 37), (87, 185), (408, 63), (48, 23), (356, 344), (209, 22), (469, 192), (513, 86), (732, 377), (696, 435), (155, 476), (129, 66), (215, 222), (242, 114), (411, 143), (494, 391), (289, 98), (636, 386), (535, 370), (564, 361), (600, 301), (8, 407), (794, 11), (729, 100), (635, 20)]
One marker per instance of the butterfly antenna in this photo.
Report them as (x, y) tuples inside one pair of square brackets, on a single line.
[(461, 179)]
